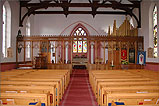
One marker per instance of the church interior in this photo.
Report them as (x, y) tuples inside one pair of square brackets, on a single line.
[(79, 52)]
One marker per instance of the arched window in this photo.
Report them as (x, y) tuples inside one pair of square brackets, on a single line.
[(80, 41), (155, 30), (6, 39), (28, 27), (132, 23), (28, 49)]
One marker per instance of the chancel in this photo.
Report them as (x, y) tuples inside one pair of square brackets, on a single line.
[(79, 52)]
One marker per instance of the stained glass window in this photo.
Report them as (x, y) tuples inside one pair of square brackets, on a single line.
[(80, 44), (75, 47), (155, 30), (84, 46)]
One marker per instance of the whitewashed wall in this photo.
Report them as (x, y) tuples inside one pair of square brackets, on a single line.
[(146, 25), (14, 5), (56, 24), (1, 30), (14, 27)]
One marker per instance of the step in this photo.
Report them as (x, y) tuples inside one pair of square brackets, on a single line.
[(25, 66)]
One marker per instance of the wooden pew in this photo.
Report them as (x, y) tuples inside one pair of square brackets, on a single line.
[(43, 79), (117, 78), (40, 77), (128, 84), (131, 98), (13, 73), (125, 89), (101, 75), (111, 77), (50, 74), (109, 74), (146, 73), (37, 104), (31, 89), (25, 98), (38, 83), (65, 73)]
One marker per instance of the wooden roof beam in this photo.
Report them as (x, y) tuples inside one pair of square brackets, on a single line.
[(76, 5), (45, 1), (79, 12), (94, 4)]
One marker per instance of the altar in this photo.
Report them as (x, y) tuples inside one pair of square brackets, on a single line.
[(79, 63)]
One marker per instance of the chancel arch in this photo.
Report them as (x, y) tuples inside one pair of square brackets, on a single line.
[(80, 51), (80, 34)]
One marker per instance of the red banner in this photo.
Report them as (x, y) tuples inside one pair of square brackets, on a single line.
[(123, 54)]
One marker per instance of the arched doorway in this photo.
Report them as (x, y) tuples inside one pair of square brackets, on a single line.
[(80, 46)]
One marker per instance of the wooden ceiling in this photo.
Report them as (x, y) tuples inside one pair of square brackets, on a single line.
[(119, 7)]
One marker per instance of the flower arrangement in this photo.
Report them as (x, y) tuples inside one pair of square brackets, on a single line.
[(124, 62)]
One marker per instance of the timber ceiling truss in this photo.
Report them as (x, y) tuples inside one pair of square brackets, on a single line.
[(118, 7)]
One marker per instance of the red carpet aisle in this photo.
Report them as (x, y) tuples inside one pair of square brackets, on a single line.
[(79, 92)]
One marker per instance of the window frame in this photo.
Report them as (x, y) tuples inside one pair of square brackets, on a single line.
[(28, 44), (155, 45), (6, 35), (80, 38)]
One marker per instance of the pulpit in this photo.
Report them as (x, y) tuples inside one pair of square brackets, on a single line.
[(40, 62)]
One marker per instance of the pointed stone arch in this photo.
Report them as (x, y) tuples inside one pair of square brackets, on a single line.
[(80, 34), (79, 25)]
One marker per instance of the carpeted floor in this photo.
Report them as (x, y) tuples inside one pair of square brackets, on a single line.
[(79, 92)]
